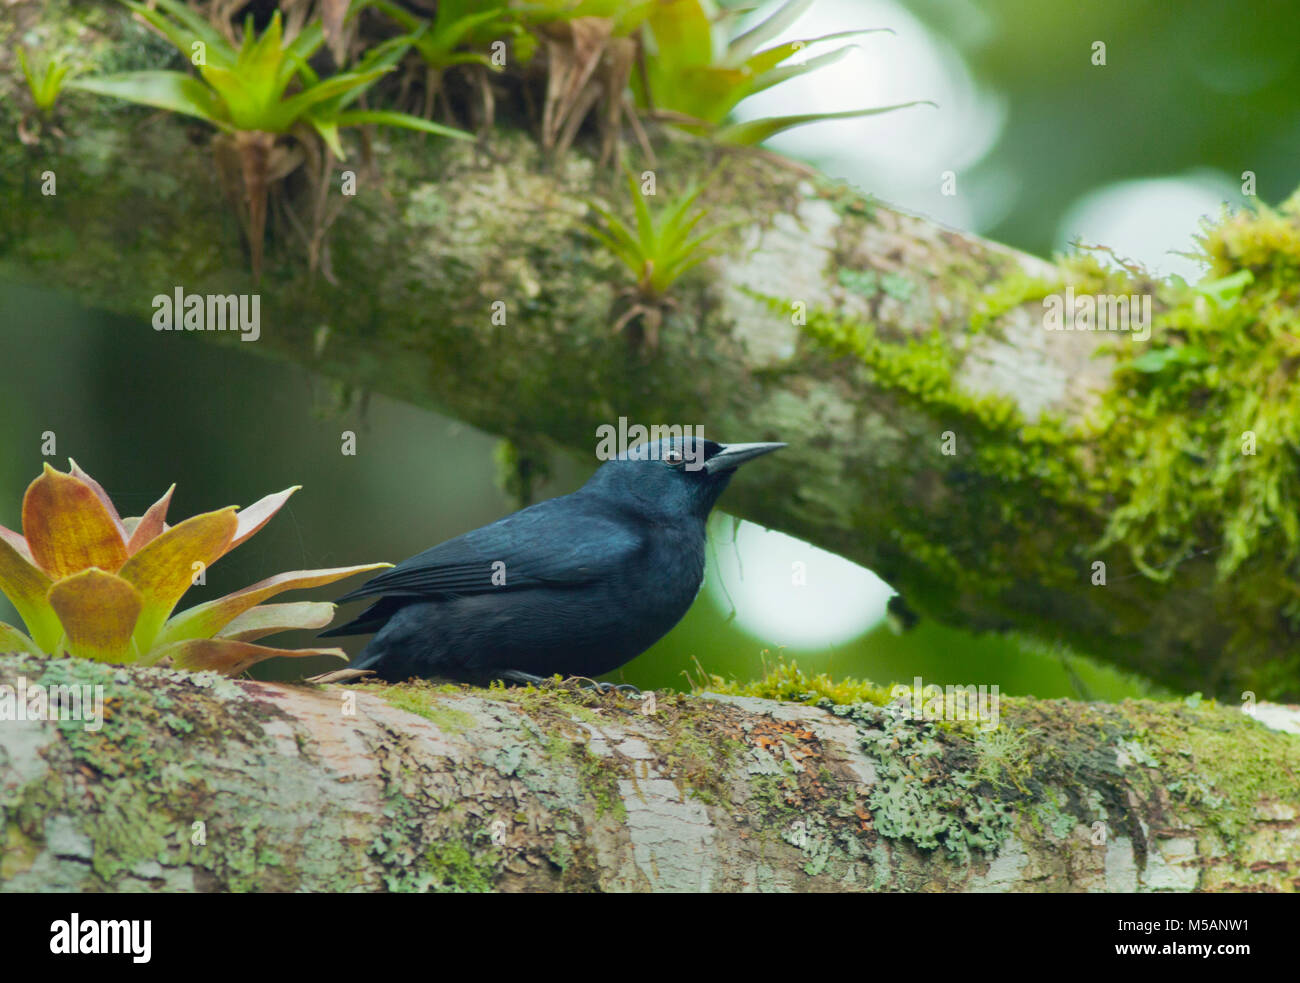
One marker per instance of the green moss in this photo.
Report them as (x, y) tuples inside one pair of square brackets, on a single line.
[(701, 763), (597, 776), (568, 697), (420, 697), (1161, 471), (1003, 755), (787, 682), (1005, 295), (1218, 760), (454, 870)]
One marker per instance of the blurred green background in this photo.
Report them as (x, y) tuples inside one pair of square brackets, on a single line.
[(1044, 146)]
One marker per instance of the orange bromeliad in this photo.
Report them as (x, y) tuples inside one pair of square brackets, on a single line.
[(95, 586)]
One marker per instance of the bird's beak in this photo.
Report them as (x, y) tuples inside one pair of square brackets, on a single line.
[(734, 455)]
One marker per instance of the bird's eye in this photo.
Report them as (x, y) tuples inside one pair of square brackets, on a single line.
[(673, 458)]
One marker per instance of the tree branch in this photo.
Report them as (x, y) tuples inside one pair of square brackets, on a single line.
[(934, 341), (198, 783)]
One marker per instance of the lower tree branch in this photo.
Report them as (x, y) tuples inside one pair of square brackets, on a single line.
[(199, 783)]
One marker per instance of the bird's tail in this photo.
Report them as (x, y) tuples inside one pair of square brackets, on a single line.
[(370, 620), (358, 668), (341, 676)]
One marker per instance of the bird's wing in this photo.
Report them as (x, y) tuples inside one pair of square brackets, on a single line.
[(539, 546)]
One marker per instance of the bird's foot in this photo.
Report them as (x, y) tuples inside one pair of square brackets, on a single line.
[(626, 689), (527, 678)]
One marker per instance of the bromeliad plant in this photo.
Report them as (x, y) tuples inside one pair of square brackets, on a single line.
[(657, 252), (44, 82), (258, 93), (692, 84), (92, 585), (591, 47), (449, 39)]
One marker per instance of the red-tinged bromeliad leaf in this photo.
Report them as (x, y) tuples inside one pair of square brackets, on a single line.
[(267, 619), (93, 585), (230, 657), (151, 525), (205, 620), (98, 489), (164, 570), (259, 514)]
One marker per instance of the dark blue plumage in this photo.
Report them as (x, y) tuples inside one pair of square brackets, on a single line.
[(578, 585)]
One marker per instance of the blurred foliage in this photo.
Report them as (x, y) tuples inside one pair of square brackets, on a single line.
[(456, 29), (1192, 85), (1206, 426)]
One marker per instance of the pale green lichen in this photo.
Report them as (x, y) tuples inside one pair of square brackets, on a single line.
[(137, 818), (921, 795), (1047, 816)]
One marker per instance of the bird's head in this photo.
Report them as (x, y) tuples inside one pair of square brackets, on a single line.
[(676, 474)]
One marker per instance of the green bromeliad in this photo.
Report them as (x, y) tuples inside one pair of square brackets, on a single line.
[(695, 84), (263, 90)]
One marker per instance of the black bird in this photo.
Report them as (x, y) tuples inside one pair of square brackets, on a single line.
[(577, 585)]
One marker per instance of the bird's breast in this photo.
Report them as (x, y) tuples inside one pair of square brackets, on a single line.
[(673, 574)]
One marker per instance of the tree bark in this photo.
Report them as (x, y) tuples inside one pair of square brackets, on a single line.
[(199, 783), (439, 233)]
